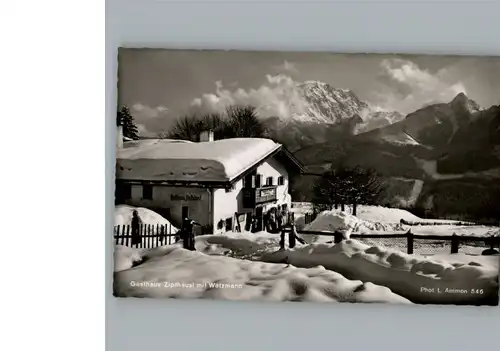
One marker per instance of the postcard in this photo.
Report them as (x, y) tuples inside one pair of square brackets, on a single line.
[(307, 177)]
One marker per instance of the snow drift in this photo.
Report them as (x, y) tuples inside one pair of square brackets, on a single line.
[(450, 280), (384, 214), (416, 278), (383, 220), (347, 224), (177, 273), (123, 216), (126, 257)]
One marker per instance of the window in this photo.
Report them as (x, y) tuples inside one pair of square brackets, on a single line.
[(147, 192), (126, 191), (269, 181), (281, 180), (248, 182), (258, 180), (185, 212)]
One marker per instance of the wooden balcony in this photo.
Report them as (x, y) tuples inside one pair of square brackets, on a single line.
[(255, 196)]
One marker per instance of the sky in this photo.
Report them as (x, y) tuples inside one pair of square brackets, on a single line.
[(161, 85)]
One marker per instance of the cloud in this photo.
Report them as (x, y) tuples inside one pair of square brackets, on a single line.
[(280, 96), (141, 129), (287, 67), (407, 87), (141, 111)]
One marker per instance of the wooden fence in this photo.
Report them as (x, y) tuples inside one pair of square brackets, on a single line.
[(151, 235), (429, 223), (158, 235), (409, 242)]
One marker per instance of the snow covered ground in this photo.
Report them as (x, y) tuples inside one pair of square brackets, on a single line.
[(238, 258), (390, 215), (346, 223), (449, 279), (177, 273), (252, 266), (383, 220), (446, 230), (383, 214), (377, 220)]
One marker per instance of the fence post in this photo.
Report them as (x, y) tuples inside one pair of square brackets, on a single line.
[(260, 221), (409, 244), (282, 239), (125, 235), (162, 234), (454, 243), (291, 237), (149, 237), (158, 236)]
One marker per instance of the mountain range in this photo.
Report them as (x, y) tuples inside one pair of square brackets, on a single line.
[(328, 111), (444, 157)]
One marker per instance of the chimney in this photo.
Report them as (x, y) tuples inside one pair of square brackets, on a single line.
[(119, 133), (207, 135)]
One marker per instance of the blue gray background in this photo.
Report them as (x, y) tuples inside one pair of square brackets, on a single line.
[(435, 27)]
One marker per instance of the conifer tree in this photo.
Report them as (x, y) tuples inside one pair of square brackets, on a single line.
[(125, 118)]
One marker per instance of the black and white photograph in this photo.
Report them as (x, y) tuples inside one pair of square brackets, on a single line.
[(307, 177)]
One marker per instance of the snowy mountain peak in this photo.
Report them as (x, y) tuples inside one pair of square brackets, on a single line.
[(462, 102), (327, 104)]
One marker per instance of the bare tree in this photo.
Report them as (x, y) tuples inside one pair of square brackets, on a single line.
[(189, 127), (363, 187), (236, 122), (342, 185), (243, 122), (328, 191)]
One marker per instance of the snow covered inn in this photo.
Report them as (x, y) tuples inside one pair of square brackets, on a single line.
[(221, 184)]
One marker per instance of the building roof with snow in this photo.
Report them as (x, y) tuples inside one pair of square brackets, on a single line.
[(220, 161)]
